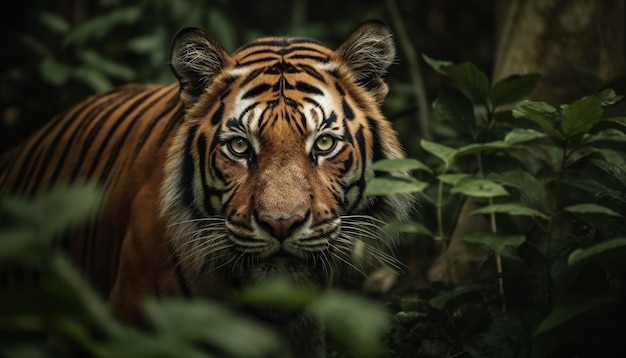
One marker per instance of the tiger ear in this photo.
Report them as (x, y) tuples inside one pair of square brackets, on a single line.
[(196, 59), (368, 52)]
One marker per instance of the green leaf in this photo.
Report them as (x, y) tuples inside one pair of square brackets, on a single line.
[(512, 89), (521, 135), (590, 208), (408, 227), (111, 68), (466, 74), (608, 135), (608, 97), (278, 292), (93, 78), (404, 164), (496, 242), (453, 179), (353, 322), (54, 72), (480, 147), (564, 313), (580, 116), (446, 154), (482, 188), (540, 113), (531, 190), (55, 210), (611, 168), (54, 22), (392, 185), (98, 27), (213, 324), (618, 120), (513, 209), (441, 301), (581, 255), (597, 189), (453, 106)]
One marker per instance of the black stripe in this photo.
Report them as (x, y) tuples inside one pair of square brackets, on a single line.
[(53, 148), (360, 140), (119, 141), (186, 179), (307, 88), (171, 112), (216, 118), (257, 90), (279, 42), (176, 118), (376, 140), (311, 71), (202, 167)]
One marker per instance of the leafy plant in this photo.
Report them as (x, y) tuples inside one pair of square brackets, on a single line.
[(551, 185), (49, 310)]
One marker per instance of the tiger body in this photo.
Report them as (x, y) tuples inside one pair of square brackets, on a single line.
[(253, 166)]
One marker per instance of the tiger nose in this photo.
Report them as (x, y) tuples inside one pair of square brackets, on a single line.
[(281, 228)]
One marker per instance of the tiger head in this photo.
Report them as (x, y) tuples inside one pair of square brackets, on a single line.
[(266, 175)]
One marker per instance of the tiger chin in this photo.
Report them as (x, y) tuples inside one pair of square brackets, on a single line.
[(252, 167)]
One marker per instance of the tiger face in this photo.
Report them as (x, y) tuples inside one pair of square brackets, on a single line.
[(266, 176)]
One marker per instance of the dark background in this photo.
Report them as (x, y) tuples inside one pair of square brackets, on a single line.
[(58, 52)]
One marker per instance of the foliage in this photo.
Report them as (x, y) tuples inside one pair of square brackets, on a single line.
[(50, 311), (551, 185)]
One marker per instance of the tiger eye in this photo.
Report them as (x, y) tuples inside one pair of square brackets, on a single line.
[(238, 146), (325, 143)]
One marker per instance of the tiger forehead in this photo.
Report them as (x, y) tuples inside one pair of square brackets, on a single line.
[(284, 49)]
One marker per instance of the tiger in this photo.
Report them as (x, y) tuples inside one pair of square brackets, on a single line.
[(251, 166)]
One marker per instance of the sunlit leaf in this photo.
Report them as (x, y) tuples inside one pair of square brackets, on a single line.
[(581, 255), (608, 97), (404, 164), (482, 188), (522, 135), (446, 154), (392, 185), (590, 208), (540, 113), (561, 314), (512, 89), (580, 116), (513, 209)]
